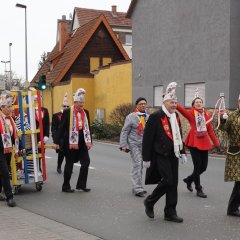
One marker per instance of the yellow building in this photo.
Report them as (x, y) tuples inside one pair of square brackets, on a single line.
[(90, 57)]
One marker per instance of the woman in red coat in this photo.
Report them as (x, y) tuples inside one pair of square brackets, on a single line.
[(198, 142)]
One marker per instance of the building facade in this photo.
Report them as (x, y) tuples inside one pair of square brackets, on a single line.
[(90, 57), (195, 43), (121, 25)]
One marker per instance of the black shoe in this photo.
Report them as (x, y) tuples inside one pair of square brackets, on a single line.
[(234, 214), (201, 194), (189, 184), (149, 211), (59, 170), (11, 202), (84, 189), (173, 218), (2, 198), (140, 194), (68, 190)]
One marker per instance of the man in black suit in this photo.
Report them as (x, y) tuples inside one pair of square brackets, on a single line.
[(56, 119), (162, 146), (45, 123), (74, 129)]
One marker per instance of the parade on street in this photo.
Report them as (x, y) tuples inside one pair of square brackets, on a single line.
[(120, 120)]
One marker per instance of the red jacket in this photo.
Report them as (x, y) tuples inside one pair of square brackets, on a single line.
[(192, 140)]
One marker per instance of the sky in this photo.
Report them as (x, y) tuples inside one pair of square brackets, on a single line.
[(41, 29)]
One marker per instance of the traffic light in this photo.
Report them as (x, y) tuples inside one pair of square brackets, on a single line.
[(42, 85)]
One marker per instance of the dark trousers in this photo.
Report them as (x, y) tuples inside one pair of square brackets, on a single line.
[(4, 175), (200, 163), (234, 201), (60, 158), (73, 156), (168, 169)]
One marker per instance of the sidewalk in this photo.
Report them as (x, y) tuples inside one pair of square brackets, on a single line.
[(17, 223)]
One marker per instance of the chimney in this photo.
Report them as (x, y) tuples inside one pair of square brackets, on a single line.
[(62, 32), (114, 9)]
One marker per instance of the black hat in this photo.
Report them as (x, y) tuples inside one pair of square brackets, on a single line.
[(140, 99)]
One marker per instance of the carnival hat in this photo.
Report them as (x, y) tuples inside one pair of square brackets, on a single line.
[(6, 99), (79, 95), (170, 93), (65, 100)]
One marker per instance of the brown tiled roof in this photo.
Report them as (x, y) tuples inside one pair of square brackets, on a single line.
[(84, 15), (75, 44)]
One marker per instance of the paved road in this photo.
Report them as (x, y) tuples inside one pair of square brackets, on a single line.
[(111, 212)]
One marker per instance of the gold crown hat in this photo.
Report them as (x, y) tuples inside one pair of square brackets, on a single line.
[(6, 98), (79, 95), (170, 93), (65, 100)]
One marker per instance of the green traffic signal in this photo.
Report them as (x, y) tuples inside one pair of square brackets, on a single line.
[(42, 85)]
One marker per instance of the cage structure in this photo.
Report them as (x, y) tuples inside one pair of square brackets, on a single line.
[(30, 166)]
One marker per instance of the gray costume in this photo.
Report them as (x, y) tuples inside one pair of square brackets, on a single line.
[(131, 139)]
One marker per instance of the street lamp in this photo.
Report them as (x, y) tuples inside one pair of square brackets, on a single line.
[(5, 62), (25, 7), (10, 66)]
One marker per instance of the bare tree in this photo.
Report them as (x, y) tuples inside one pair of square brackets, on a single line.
[(43, 60)]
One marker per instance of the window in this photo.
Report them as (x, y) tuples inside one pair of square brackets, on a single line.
[(106, 61), (189, 92), (94, 63), (158, 96), (128, 39)]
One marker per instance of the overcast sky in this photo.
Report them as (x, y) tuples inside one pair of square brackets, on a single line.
[(42, 18)]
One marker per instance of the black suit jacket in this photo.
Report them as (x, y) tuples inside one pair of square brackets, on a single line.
[(46, 123), (63, 131), (157, 142), (56, 120)]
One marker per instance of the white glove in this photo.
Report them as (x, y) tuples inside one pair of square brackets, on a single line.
[(45, 139), (183, 158), (146, 164)]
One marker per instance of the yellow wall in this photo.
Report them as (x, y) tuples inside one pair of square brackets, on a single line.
[(106, 61), (58, 95), (108, 88), (47, 101), (94, 63), (113, 86), (53, 98), (87, 84)]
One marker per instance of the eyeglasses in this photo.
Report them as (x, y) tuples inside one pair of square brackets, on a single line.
[(65, 106)]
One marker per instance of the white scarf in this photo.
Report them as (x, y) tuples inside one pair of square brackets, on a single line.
[(177, 139), (77, 122)]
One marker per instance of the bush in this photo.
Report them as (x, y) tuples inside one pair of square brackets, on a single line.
[(103, 130), (118, 115)]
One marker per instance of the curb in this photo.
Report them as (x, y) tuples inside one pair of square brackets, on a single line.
[(117, 144)]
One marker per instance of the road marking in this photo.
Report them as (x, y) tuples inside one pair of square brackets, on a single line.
[(79, 165), (47, 157)]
